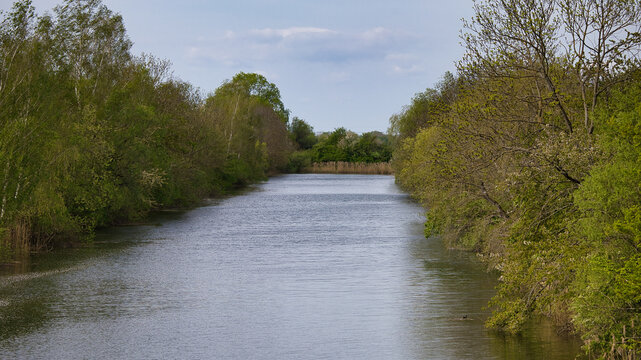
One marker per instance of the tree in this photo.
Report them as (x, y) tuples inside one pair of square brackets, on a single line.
[(244, 111), (525, 38), (602, 38), (302, 133), (607, 304), (91, 136), (33, 101), (517, 38), (92, 43), (255, 85), (504, 170), (329, 149)]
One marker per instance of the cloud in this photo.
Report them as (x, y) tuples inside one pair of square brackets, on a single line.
[(293, 32), (413, 69), (308, 44), (401, 57), (404, 63)]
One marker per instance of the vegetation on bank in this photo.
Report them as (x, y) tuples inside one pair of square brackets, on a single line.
[(339, 151), (92, 135), (531, 156)]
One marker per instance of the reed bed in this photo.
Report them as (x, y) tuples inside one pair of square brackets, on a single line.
[(19, 240), (19, 236), (343, 167)]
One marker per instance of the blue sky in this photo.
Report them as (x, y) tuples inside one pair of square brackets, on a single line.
[(350, 63)]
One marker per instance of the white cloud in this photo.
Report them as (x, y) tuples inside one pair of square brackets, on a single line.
[(401, 57), (309, 44), (376, 34), (292, 32), (404, 63), (406, 70)]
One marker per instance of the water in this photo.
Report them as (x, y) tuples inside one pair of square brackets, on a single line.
[(302, 267)]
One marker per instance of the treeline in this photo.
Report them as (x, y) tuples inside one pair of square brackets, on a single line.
[(531, 156), (91, 135), (340, 147)]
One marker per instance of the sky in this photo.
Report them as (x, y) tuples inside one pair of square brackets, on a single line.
[(337, 63)]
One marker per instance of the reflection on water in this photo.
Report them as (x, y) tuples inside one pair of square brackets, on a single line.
[(306, 266)]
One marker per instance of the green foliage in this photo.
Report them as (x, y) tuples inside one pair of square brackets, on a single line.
[(344, 145), (339, 145), (608, 286), (255, 85), (91, 136), (424, 109), (302, 133), (532, 158), (299, 161)]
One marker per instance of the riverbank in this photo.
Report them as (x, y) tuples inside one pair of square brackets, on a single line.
[(19, 243), (343, 167), (110, 142)]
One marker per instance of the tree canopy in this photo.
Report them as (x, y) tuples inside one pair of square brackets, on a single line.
[(527, 156), (92, 135)]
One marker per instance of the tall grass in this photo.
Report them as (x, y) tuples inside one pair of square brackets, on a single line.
[(343, 167), (19, 240), (19, 236)]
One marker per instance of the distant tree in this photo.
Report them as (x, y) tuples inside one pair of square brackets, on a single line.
[(371, 147), (345, 145), (328, 149), (302, 133)]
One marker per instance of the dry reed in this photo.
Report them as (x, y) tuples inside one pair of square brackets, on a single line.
[(20, 236), (343, 167), (19, 240)]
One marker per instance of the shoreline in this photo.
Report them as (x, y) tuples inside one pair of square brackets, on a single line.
[(344, 167)]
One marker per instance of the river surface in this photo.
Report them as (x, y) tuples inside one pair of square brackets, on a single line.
[(299, 267)]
